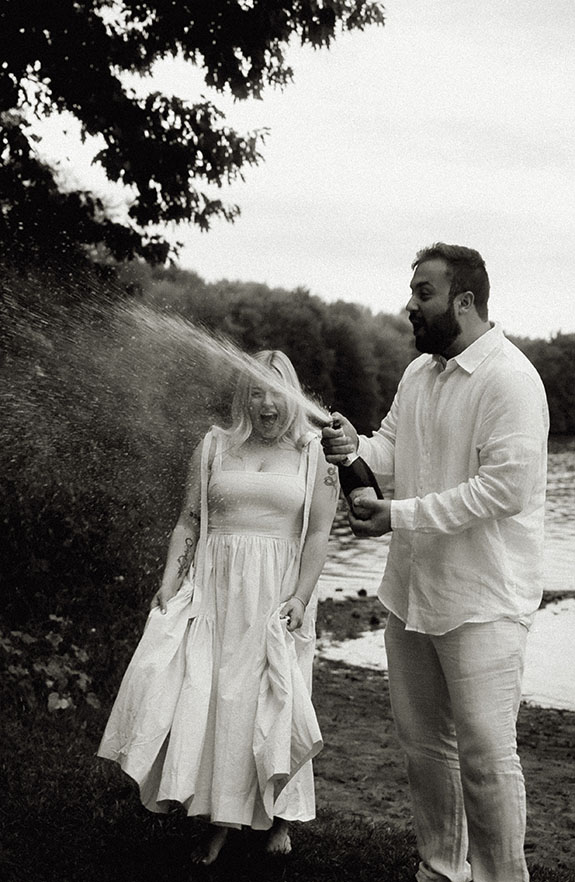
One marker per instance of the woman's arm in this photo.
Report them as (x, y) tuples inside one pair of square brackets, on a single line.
[(322, 511), (184, 537)]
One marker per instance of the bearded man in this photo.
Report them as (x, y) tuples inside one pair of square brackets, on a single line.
[(465, 442)]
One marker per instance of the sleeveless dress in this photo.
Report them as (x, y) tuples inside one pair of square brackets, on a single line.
[(214, 711)]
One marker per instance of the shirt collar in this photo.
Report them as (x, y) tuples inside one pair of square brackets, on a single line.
[(470, 359)]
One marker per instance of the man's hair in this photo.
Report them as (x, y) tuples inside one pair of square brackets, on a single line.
[(466, 270)]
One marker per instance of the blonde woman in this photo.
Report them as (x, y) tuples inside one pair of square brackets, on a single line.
[(214, 711)]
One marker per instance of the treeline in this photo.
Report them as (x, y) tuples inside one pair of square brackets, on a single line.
[(555, 361), (349, 356)]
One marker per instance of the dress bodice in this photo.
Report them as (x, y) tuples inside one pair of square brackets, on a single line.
[(263, 503)]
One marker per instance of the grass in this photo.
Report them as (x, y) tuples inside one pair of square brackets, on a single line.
[(69, 817)]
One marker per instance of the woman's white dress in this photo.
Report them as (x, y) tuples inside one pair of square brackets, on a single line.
[(215, 710)]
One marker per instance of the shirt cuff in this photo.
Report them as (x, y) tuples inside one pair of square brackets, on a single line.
[(363, 448), (402, 514)]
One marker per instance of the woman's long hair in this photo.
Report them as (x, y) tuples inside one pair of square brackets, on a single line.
[(295, 428)]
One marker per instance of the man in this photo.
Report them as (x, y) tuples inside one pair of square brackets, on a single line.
[(465, 441)]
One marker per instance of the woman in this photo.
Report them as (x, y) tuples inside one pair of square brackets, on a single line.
[(214, 711)]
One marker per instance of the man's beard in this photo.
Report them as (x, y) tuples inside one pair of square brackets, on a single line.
[(439, 333)]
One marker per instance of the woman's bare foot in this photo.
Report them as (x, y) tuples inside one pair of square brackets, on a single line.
[(207, 853), (279, 841)]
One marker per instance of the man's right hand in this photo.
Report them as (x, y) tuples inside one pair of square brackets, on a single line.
[(339, 443)]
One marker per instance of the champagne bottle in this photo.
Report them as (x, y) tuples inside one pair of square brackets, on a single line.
[(354, 473)]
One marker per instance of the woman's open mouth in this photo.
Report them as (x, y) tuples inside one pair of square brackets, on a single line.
[(268, 419)]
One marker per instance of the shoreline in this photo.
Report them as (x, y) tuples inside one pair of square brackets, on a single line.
[(361, 768), (549, 662)]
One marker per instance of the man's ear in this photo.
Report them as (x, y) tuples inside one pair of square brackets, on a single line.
[(466, 300)]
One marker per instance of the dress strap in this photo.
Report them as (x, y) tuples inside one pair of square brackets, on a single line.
[(216, 450), (311, 453), (204, 479)]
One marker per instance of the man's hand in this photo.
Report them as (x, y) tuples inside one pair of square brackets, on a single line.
[(339, 443), (369, 516)]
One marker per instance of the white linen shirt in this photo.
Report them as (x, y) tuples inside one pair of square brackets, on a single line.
[(465, 441)]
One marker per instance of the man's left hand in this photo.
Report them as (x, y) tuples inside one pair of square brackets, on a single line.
[(369, 516)]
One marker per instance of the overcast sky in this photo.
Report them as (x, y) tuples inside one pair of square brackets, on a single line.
[(454, 122)]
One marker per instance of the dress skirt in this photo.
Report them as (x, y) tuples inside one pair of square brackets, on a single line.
[(214, 711)]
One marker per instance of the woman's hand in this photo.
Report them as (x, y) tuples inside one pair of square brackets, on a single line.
[(293, 610), (161, 598)]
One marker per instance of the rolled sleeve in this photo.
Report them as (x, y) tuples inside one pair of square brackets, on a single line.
[(403, 514)]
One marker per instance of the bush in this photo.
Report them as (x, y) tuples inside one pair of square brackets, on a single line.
[(48, 669), (102, 405)]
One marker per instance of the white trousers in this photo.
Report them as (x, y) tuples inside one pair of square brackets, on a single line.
[(455, 700)]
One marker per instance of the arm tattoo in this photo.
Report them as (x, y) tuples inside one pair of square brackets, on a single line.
[(331, 478), (185, 559), (193, 515)]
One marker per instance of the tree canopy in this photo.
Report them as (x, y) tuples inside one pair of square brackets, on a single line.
[(73, 55)]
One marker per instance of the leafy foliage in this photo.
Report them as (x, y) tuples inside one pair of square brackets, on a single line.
[(73, 56), (555, 361), (95, 438), (47, 668)]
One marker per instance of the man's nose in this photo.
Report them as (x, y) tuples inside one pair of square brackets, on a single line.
[(411, 305)]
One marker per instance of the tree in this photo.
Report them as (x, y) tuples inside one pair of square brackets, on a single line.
[(555, 361), (71, 55)]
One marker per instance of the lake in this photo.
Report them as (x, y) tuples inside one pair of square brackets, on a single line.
[(357, 565)]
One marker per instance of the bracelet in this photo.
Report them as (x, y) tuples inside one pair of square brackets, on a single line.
[(295, 597)]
